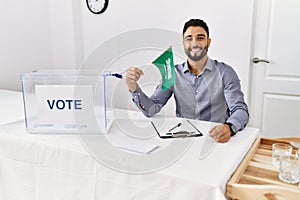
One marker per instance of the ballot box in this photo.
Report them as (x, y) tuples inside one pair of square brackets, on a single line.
[(65, 101)]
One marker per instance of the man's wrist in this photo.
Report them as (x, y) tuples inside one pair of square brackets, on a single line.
[(232, 128), (133, 91)]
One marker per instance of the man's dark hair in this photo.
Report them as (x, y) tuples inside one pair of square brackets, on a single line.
[(195, 22)]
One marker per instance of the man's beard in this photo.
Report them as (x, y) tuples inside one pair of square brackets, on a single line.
[(199, 57)]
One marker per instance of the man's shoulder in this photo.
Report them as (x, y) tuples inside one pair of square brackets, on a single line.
[(225, 70), (221, 66), (218, 63)]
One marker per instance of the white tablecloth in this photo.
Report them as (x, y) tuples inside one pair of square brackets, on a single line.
[(57, 166)]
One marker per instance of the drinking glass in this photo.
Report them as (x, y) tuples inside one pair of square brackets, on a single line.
[(280, 151), (289, 170)]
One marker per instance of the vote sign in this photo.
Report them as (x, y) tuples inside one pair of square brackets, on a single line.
[(58, 104)]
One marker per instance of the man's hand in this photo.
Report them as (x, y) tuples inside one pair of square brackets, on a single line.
[(133, 74), (221, 133)]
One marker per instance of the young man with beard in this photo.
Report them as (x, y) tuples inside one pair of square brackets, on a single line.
[(205, 89)]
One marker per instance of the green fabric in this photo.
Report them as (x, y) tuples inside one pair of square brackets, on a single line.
[(165, 64)]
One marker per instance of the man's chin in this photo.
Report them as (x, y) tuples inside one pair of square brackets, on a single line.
[(196, 58), (195, 54)]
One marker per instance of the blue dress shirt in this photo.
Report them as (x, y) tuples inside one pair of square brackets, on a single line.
[(214, 95)]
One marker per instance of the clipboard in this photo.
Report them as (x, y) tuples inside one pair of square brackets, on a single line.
[(178, 134)]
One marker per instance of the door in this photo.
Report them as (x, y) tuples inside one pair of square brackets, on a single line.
[(275, 87)]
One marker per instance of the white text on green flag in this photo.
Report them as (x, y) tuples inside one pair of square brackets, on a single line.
[(165, 64)]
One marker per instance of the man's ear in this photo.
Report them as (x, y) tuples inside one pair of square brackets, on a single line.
[(208, 42)]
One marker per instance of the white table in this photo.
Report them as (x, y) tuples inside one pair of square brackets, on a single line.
[(56, 166)]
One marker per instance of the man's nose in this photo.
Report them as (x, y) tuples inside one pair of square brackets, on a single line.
[(194, 42)]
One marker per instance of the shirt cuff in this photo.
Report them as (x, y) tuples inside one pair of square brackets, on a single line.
[(135, 94), (237, 123), (138, 89), (136, 97)]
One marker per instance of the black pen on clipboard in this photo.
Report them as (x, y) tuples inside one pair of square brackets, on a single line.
[(177, 125)]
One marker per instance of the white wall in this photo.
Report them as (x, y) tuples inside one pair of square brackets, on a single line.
[(61, 34), (34, 35), (229, 22)]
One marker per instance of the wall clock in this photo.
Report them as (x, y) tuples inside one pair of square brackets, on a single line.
[(97, 6)]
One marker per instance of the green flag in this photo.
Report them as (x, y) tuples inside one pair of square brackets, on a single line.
[(165, 64)]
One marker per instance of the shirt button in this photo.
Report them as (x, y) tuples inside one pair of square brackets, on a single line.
[(197, 91)]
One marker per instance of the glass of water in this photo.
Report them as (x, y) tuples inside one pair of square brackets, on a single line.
[(280, 151), (289, 170)]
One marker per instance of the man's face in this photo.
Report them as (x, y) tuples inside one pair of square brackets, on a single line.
[(196, 42)]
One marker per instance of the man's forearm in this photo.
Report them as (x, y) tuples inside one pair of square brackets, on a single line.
[(145, 104)]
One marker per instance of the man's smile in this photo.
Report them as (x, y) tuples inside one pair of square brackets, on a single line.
[(196, 49)]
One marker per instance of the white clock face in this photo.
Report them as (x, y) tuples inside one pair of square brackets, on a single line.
[(97, 6)]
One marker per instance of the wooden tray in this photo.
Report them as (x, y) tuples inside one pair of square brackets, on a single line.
[(257, 178)]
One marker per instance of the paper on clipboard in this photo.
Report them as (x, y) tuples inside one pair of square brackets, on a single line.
[(184, 131)]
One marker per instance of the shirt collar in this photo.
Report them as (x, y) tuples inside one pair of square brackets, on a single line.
[(208, 66)]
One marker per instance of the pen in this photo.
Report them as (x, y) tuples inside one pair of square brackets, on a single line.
[(179, 124), (194, 127)]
